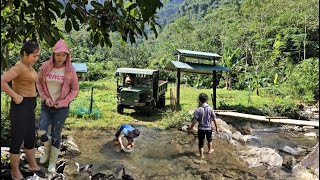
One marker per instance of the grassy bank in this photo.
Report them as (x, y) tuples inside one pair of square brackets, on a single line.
[(104, 101), (104, 104)]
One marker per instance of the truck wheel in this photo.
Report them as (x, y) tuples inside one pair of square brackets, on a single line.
[(120, 109)]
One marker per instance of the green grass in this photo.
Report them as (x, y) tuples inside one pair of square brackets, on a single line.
[(104, 97), (105, 100)]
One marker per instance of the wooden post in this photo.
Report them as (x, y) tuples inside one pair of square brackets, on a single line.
[(214, 87), (171, 102), (172, 99), (91, 101), (178, 89)]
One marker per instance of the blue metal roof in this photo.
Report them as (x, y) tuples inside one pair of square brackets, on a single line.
[(80, 67), (196, 54), (194, 67)]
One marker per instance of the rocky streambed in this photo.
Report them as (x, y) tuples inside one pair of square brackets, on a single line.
[(249, 151)]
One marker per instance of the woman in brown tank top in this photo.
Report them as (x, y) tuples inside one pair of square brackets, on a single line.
[(23, 103)]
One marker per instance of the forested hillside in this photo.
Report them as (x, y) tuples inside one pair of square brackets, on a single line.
[(269, 45)]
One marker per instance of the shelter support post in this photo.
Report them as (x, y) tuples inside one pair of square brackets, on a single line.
[(214, 88), (178, 89), (91, 101)]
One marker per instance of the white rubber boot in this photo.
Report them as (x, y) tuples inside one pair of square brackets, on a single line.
[(45, 157), (54, 153)]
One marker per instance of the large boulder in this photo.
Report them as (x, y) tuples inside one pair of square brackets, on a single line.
[(308, 167), (264, 156)]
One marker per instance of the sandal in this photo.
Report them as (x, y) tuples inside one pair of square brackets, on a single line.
[(41, 173)]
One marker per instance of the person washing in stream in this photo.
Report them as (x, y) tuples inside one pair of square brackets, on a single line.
[(204, 116), (129, 133)]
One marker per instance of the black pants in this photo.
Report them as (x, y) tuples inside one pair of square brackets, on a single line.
[(22, 117), (201, 136)]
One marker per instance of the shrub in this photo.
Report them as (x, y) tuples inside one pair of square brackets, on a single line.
[(5, 129), (303, 81), (96, 71), (176, 119)]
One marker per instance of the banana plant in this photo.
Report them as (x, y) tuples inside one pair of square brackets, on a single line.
[(231, 60)]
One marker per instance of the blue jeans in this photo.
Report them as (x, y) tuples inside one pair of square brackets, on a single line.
[(55, 117)]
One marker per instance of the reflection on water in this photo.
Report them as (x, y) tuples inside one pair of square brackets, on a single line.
[(170, 154)]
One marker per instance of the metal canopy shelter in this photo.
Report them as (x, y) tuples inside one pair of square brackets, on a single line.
[(196, 54), (198, 68), (194, 67)]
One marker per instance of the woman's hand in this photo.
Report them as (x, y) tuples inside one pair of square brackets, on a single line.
[(18, 99), (49, 102), (57, 105)]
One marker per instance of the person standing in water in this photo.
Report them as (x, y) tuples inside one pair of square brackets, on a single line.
[(57, 86), (204, 116), (22, 108)]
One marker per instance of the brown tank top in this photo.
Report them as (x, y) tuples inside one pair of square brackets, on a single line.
[(25, 83)]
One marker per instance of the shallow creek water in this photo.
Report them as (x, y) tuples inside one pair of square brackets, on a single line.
[(171, 154)]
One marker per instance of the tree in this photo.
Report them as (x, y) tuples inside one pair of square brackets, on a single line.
[(38, 19), (231, 60)]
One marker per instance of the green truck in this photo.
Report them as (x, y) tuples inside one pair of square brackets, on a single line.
[(140, 89)]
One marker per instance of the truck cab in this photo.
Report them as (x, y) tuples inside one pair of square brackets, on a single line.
[(139, 89)]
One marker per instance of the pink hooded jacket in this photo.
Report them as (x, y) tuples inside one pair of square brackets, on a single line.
[(70, 87)]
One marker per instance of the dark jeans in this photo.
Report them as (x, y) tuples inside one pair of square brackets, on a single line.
[(22, 125), (55, 117), (201, 136)]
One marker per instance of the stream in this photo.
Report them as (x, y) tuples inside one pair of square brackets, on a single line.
[(171, 155)]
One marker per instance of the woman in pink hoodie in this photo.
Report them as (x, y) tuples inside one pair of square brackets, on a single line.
[(57, 86)]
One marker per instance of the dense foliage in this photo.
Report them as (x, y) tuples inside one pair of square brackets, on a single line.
[(20, 19), (261, 41), (266, 44)]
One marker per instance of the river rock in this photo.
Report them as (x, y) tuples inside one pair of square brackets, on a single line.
[(184, 127), (255, 157), (244, 129), (310, 134), (236, 135), (289, 150), (292, 128), (223, 126), (288, 163), (197, 161), (241, 138), (308, 167), (310, 112)]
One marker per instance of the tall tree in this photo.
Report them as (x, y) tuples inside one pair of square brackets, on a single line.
[(37, 19)]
